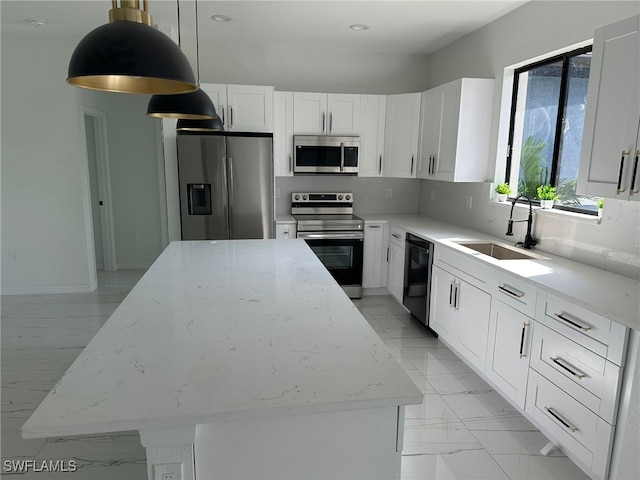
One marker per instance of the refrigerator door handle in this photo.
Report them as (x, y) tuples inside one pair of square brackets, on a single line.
[(229, 161)]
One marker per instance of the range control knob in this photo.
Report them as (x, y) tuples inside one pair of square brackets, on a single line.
[(297, 197), (339, 197), (304, 197), (348, 197)]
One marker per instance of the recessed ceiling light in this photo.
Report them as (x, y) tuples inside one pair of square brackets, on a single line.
[(359, 27), (37, 22), (221, 18)]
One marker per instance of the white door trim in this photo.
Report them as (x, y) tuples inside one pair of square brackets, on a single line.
[(104, 185)]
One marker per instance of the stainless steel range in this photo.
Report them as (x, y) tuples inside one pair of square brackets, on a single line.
[(327, 223)]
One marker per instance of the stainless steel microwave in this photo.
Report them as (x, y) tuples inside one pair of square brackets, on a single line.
[(325, 154)]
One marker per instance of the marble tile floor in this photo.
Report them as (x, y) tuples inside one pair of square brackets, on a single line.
[(462, 429)]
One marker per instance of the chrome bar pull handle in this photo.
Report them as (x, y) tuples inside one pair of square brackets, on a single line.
[(231, 116), (330, 122), (560, 419), (634, 175), (619, 188), (451, 294), (524, 329), (568, 367), (412, 161), (380, 165), (510, 291), (290, 163), (342, 156), (456, 295), (563, 316), (323, 116)]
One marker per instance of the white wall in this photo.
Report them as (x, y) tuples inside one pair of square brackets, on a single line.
[(535, 29), (136, 189), (45, 234)]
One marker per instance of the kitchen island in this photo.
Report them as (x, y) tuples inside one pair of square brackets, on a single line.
[(238, 359)]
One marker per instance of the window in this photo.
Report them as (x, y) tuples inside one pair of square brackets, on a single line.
[(545, 133)]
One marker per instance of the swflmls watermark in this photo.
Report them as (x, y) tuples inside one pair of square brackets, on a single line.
[(24, 466)]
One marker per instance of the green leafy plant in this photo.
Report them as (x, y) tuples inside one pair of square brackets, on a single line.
[(503, 189), (600, 203), (547, 192), (533, 171)]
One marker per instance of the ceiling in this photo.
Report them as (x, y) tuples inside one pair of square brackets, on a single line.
[(398, 27)]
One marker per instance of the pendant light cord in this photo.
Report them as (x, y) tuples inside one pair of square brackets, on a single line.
[(197, 50), (178, 9)]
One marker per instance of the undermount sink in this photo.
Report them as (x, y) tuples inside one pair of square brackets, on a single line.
[(499, 252)]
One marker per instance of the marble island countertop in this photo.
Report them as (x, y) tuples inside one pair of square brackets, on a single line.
[(225, 330), (614, 296)]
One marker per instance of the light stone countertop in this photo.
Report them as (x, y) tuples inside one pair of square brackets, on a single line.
[(614, 296), (224, 330)]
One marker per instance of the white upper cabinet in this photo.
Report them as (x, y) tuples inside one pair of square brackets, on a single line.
[(455, 131), (611, 143), (283, 134), (372, 117), (326, 114), (402, 126), (242, 108)]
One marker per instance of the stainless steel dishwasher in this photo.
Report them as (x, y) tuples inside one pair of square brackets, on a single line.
[(418, 259)]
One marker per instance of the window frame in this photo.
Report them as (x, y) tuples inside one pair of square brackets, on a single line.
[(565, 57)]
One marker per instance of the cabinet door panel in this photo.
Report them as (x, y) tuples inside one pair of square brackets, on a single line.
[(250, 108), (283, 134), (374, 266), (372, 112), (395, 282), (443, 319), (508, 350), (401, 135), (344, 114), (613, 111), (475, 310), (309, 113), (445, 163)]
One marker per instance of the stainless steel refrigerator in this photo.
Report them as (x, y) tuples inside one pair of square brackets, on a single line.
[(226, 185)]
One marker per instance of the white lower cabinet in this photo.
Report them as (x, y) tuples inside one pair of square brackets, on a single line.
[(395, 265), (574, 382), (508, 351), (374, 265), (560, 363), (460, 315), (286, 230)]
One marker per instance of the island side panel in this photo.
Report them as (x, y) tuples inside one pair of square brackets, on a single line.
[(354, 444)]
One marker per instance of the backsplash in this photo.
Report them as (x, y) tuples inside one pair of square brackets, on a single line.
[(370, 194), (611, 244)]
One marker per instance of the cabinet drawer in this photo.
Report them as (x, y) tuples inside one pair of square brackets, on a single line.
[(464, 267), (397, 235), (587, 377), (593, 331), (515, 293), (580, 432)]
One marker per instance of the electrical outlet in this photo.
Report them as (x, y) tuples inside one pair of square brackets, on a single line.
[(277, 193), (433, 195), (133, 237), (389, 192), (469, 202), (167, 471), (10, 255)]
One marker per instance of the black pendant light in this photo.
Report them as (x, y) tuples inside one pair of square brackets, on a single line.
[(127, 55), (193, 106), (209, 125)]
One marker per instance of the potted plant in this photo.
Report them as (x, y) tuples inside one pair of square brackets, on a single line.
[(600, 205), (547, 195), (503, 189)]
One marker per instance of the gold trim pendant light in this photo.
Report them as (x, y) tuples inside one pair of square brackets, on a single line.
[(208, 125), (192, 106), (128, 55)]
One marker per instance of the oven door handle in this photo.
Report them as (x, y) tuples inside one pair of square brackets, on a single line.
[(332, 236)]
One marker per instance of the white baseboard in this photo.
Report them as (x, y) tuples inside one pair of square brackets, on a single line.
[(46, 290)]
